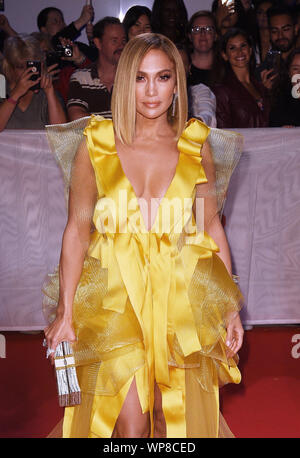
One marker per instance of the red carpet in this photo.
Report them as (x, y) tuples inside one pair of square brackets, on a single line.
[(266, 403)]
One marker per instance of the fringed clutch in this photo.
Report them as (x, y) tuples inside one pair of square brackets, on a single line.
[(69, 393)]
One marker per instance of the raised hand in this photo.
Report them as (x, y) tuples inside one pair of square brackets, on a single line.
[(24, 83), (53, 70), (268, 78), (5, 26), (86, 16)]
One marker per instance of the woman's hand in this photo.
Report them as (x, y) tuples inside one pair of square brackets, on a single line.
[(235, 333), (224, 9), (56, 111), (61, 330), (268, 78), (87, 15), (228, 7), (54, 71), (46, 83), (47, 78), (24, 83)]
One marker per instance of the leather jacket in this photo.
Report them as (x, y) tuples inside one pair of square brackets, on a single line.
[(236, 107)]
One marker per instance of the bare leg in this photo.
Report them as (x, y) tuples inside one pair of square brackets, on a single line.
[(131, 422)]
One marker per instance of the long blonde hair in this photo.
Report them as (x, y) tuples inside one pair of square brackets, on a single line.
[(123, 98)]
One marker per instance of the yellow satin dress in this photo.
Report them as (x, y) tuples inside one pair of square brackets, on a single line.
[(151, 305)]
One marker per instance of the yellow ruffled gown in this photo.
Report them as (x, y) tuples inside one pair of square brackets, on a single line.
[(150, 304)]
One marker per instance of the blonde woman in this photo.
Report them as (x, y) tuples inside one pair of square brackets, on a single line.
[(25, 108), (147, 300)]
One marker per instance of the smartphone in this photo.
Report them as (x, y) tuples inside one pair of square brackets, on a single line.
[(272, 60), (52, 58), (2, 7), (227, 2), (36, 66)]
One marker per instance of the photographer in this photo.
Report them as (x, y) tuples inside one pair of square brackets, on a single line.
[(28, 107), (283, 30), (228, 14), (77, 60), (283, 35), (90, 89), (69, 53), (51, 21)]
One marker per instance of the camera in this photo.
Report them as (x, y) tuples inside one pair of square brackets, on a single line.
[(64, 51), (36, 66)]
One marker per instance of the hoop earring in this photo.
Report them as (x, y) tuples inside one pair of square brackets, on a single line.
[(174, 102)]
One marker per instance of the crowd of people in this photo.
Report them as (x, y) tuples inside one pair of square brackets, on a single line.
[(242, 61)]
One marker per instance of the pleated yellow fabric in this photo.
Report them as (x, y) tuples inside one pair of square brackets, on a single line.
[(150, 304)]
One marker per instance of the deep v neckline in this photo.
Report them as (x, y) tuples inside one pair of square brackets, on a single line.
[(132, 190)]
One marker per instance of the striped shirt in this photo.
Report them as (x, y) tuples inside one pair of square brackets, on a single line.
[(87, 91)]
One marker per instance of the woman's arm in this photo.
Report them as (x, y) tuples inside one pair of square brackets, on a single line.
[(75, 243), (212, 223), (213, 226), (216, 231), (6, 27), (56, 113), (72, 30)]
